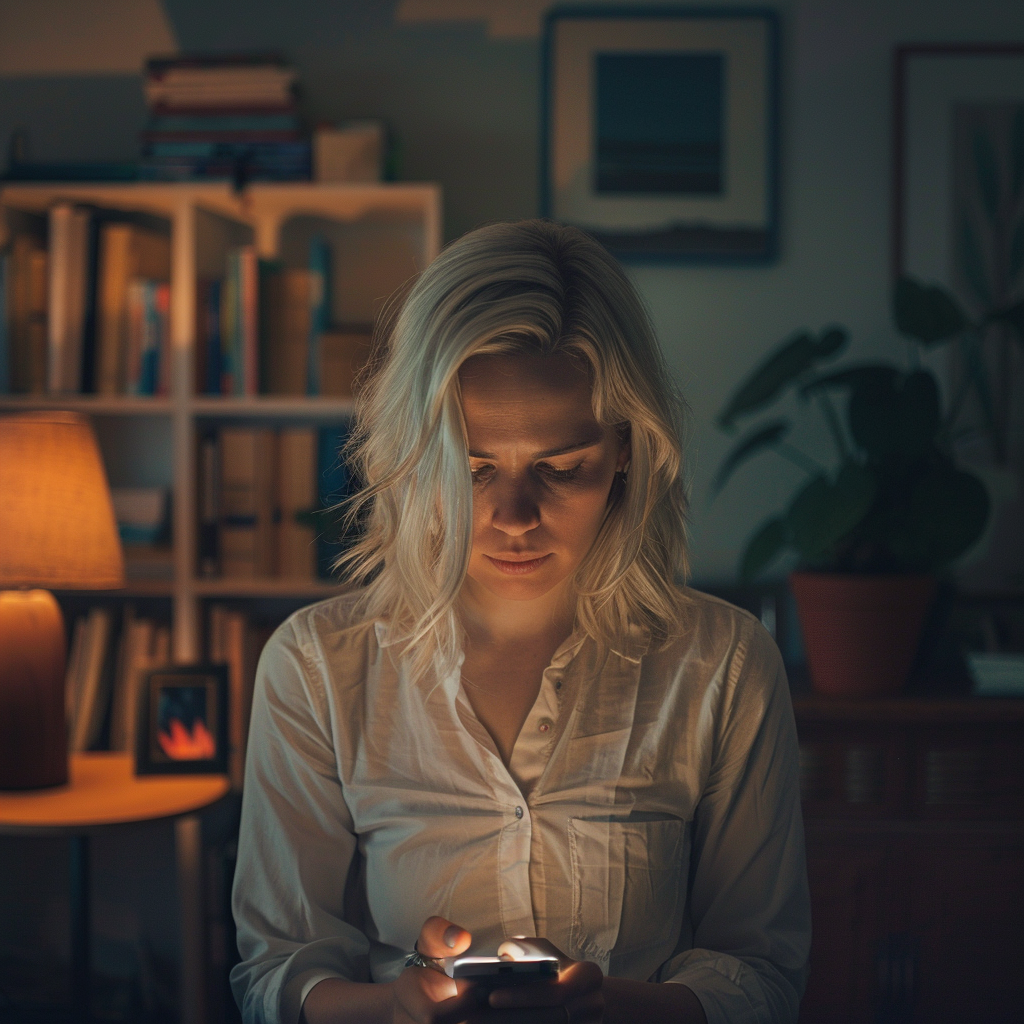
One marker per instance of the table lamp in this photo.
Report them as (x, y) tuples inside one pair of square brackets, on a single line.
[(57, 530)]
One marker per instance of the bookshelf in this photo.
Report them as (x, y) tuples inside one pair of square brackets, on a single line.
[(380, 235)]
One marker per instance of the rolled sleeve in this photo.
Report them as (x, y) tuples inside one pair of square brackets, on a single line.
[(750, 906), (296, 847)]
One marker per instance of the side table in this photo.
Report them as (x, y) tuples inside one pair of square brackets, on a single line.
[(104, 792)]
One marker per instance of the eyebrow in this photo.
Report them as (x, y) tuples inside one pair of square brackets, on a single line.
[(563, 450)]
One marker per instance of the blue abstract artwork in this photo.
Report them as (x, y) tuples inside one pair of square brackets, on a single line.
[(660, 123)]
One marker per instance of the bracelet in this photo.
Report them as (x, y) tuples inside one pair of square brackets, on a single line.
[(417, 959)]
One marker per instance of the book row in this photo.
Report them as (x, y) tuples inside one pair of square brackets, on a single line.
[(269, 501), (112, 652), (85, 308), (85, 304)]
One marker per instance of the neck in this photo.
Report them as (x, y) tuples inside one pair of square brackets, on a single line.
[(489, 620)]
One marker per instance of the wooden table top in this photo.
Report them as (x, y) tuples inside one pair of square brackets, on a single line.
[(103, 790)]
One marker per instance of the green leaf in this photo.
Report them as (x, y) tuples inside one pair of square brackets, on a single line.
[(763, 548), (747, 447), (780, 369), (832, 341), (1017, 153), (782, 366), (945, 514), (973, 262), (1016, 252), (823, 513), (988, 173), (927, 313)]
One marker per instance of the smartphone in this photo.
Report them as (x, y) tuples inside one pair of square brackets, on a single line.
[(502, 971)]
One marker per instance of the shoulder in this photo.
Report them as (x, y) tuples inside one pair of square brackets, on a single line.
[(323, 647), (718, 647)]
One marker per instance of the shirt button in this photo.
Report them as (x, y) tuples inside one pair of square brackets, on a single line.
[(519, 812), (544, 725)]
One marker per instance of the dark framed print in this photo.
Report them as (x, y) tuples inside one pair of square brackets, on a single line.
[(958, 167), (183, 721), (659, 130)]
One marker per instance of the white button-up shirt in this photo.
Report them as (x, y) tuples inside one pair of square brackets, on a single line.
[(649, 819)]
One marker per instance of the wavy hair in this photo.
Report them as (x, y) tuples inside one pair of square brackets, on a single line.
[(537, 287)]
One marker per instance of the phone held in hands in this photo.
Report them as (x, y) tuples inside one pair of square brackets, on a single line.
[(502, 971)]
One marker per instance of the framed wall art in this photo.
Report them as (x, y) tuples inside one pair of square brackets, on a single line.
[(958, 165), (183, 721), (659, 130)]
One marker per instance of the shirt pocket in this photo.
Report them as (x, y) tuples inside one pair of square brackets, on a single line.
[(628, 885)]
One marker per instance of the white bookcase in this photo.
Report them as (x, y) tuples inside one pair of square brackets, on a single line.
[(380, 234)]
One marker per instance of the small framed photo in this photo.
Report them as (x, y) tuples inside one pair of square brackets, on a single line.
[(659, 130), (183, 723)]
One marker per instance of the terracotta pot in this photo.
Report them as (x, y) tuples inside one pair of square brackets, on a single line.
[(860, 632)]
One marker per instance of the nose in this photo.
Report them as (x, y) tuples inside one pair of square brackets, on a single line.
[(515, 509)]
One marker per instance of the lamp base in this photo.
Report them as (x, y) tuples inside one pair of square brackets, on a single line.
[(33, 726)]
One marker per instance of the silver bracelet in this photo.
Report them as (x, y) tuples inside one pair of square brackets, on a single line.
[(417, 959)]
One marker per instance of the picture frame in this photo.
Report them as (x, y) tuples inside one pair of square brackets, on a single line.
[(183, 721), (931, 83), (659, 130)]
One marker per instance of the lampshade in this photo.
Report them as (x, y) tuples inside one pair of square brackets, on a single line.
[(57, 527)]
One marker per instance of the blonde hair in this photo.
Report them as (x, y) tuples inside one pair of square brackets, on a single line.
[(536, 287)]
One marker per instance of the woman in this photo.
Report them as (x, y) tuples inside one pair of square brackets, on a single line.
[(520, 724)]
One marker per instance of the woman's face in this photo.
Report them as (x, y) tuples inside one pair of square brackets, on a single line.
[(542, 469)]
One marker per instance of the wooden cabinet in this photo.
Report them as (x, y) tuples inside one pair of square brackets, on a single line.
[(914, 812)]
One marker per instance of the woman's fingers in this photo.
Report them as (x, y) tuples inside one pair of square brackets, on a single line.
[(439, 937)]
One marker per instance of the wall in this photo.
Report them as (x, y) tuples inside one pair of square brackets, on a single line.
[(464, 106)]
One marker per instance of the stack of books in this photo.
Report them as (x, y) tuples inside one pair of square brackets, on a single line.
[(86, 304), (229, 117), (268, 501)]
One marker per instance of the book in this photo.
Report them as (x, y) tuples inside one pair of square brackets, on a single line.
[(286, 309), (208, 338), (297, 497), (148, 342), (5, 336), (27, 300), (248, 464), (93, 682), (239, 324), (235, 642), (208, 504), (73, 674), (320, 316), (66, 306), (343, 354), (126, 252), (333, 487)]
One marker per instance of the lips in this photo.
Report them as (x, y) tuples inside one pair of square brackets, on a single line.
[(517, 566)]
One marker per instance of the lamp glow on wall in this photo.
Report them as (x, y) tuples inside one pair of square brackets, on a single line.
[(57, 530)]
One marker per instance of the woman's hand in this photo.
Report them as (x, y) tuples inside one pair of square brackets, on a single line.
[(575, 998), (422, 995)]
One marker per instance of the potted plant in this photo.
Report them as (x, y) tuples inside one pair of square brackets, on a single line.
[(871, 531)]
